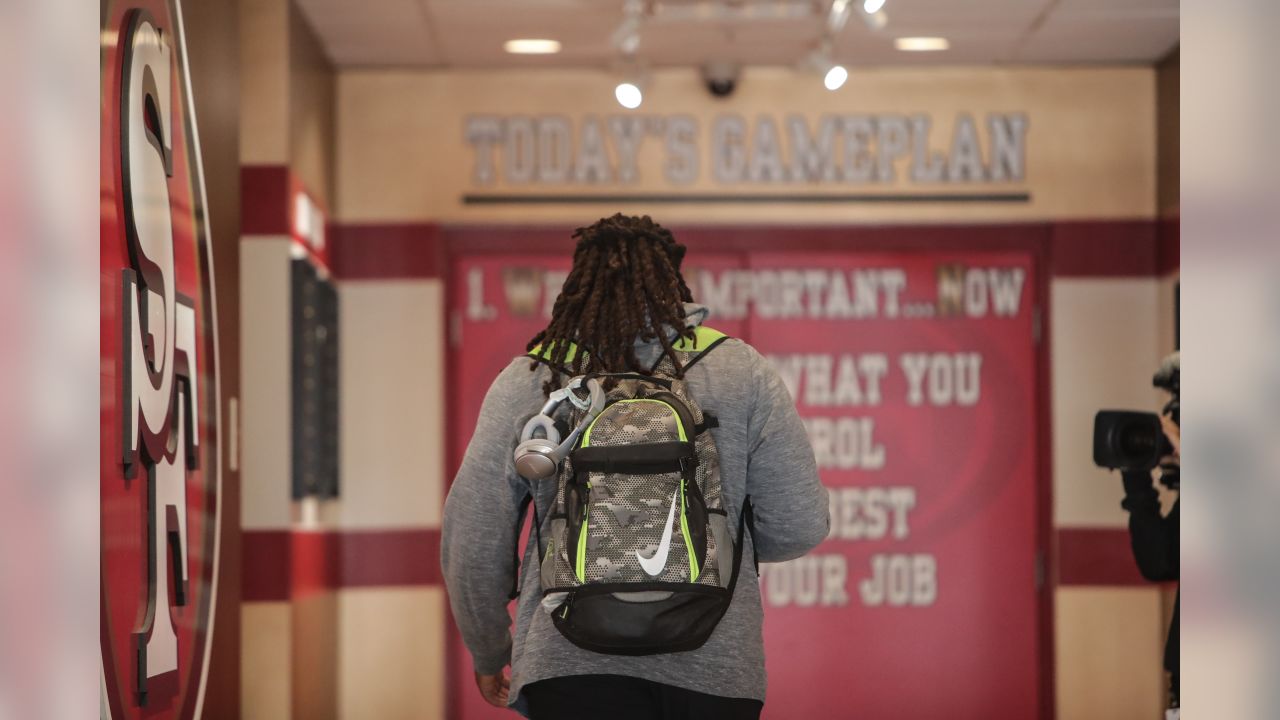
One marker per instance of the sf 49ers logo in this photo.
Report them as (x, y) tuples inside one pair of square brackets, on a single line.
[(159, 341), (165, 355)]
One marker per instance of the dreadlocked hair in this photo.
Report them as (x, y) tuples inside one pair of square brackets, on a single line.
[(625, 284)]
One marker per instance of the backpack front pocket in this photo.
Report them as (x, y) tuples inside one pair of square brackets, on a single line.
[(631, 501), (635, 528), (636, 619)]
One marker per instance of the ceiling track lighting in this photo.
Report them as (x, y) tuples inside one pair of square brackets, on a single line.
[(632, 79), (628, 94), (626, 38), (875, 21), (834, 78), (838, 15), (821, 60), (872, 12), (834, 75)]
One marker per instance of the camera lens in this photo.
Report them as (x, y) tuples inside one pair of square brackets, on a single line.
[(1136, 440)]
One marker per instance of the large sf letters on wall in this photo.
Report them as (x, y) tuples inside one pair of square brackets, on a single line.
[(159, 396)]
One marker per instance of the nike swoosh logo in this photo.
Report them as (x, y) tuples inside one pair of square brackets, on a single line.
[(655, 565)]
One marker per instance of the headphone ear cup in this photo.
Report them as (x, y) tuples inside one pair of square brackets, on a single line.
[(536, 459)]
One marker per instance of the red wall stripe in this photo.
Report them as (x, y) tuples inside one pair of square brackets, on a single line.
[(265, 565), (266, 200), (391, 557), (386, 252), (1104, 249), (282, 564), (1169, 252), (1096, 556)]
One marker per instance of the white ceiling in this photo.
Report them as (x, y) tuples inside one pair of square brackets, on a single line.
[(470, 33)]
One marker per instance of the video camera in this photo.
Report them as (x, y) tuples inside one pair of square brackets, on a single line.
[(1132, 440)]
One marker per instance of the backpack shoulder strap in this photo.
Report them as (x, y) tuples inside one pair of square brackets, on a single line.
[(543, 355), (535, 537), (704, 340)]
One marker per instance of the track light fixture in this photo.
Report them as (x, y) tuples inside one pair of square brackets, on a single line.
[(875, 20), (820, 60), (835, 76), (629, 91), (628, 94), (626, 38), (838, 15)]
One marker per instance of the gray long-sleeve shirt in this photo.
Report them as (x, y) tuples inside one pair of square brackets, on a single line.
[(764, 453)]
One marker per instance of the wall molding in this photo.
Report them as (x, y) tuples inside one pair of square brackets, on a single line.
[(1076, 249), (398, 251), (280, 565), (1096, 556)]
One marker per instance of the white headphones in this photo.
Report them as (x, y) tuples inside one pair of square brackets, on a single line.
[(540, 458)]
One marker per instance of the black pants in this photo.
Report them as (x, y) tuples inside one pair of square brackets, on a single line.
[(616, 697)]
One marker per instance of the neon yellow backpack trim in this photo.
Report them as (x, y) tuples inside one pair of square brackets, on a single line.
[(538, 352), (703, 337)]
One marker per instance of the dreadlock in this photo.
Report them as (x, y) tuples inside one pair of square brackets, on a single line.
[(625, 284)]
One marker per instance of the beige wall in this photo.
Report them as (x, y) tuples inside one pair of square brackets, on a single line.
[(1104, 639), (402, 155), (392, 664), (287, 109), (1106, 344), (311, 105), (267, 668), (1168, 78), (264, 82)]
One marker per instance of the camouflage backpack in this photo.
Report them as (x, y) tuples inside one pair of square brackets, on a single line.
[(639, 558)]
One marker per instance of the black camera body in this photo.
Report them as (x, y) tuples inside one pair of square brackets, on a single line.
[(1128, 440)]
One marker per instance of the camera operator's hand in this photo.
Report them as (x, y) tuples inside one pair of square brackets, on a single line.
[(1173, 432)]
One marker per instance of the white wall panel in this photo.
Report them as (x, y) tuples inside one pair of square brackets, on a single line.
[(392, 417), (264, 382)]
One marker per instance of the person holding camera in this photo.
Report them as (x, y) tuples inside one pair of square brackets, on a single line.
[(1154, 536)]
